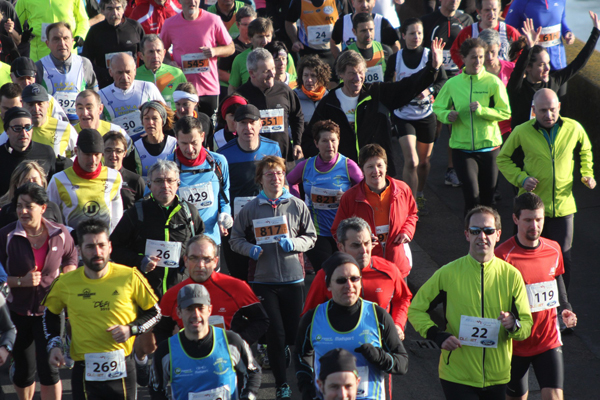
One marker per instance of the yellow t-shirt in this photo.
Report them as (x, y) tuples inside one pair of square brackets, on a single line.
[(97, 304)]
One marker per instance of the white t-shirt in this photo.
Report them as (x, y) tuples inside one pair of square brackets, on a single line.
[(348, 104)]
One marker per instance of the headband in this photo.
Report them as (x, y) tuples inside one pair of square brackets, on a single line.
[(156, 106), (231, 101), (180, 94)]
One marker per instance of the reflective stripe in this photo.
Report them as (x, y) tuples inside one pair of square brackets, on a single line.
[(147, 16)]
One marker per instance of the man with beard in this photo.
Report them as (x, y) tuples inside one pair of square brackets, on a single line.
[(108, 304)]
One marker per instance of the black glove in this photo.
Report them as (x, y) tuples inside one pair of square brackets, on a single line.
[(77, 41), (370, 352), (27, 35)]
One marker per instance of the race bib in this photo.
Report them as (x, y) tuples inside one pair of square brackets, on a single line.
[(319, 35), (239, 203), (105, 366), (131, 122), (210, 2), (479, 332), (194, 63), (449, 65), (549, 36), (542, 296), (168, 252), (272, 120), (363, 386), (382, 233), (532, 112), (324, 199), (200, 195), (374, 74), (270, 230), (217, 320), (220, 393), (67, 101), (109, 56), (43, 36)]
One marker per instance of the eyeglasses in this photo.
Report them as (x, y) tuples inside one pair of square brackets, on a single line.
[(476, 231), (116, 151), (160, 181), (19, 128), (343, 280), (201, 260), (278, 174)]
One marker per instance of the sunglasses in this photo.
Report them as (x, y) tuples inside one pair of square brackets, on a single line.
[(19, 128), (342, 280), (476, 231)]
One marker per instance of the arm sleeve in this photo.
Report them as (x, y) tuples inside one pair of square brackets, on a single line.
[(307, 235), (147, 319), (501, 109), (247, 364), (562, 294), (563, 22), (400, 302), (235, 79), (304, 355), (238, 241), (443, 104), (70, 256), (514, 17), (421, 303), (343, 212), (389, 35), (515, 83), (225, 206), (8, 332), (317, 294), (296, 118), (337, 33), (520, 308), (563, 75), (295, 175), (116, 205), (515, 175), (410, 224), (394, 359), (81, 19), (255, 319), (585, 154), (440, 81), (294, 10), (390, 68), (356, 175), (123, 238), (398, 94)]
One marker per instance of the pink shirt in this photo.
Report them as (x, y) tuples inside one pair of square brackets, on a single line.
[(40, 256), (187, 37)]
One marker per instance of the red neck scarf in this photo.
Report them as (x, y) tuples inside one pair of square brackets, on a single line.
[(191, 163), (84, 174)]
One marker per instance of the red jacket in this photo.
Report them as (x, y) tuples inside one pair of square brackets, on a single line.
[(382, 284), (403, 219), (152, 16)]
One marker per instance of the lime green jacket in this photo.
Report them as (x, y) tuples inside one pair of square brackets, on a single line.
[(41, 13), (551, 162), (473, 130), (476, 290)]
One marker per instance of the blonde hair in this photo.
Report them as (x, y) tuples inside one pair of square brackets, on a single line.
[(19, 173)]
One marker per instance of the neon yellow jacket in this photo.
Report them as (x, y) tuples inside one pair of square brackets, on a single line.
[(473, 130), (476, 290), (550, 162), (44, 12)]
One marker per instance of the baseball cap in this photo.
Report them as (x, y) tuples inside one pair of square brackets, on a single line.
[(35, 92), (193, 294), (90, 141), (23, 66), (337, 360), (247, 112), (14, 113)]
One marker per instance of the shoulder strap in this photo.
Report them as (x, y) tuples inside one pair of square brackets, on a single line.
[(139, 211), (217, 168), (188, 216)]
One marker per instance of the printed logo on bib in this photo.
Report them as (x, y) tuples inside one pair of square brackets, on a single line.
[(130, 122), (363, 386), (194, 63), (479, 332), (43, 36), (109, 56), (239, 203), (324, 199), (374, 74), (550, 36), (200, 195), (542, 295), (67, 101), (105, 366), (328, 10), (449, 65), (272, 120), (220, 393), (217, 320), (319, 35), (270, 230), (168, 252)]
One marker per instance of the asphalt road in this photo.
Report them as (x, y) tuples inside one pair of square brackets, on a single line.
[(439, 240)]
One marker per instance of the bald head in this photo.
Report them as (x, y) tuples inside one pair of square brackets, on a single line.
[(546, 107), (122, 70)]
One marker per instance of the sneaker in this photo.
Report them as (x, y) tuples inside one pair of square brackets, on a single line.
[(262, 358), (142, 374), (451, 179), (288, 357), (283, 392), (423, 210)]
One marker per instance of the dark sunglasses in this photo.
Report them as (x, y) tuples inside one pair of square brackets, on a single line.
[(342, 280), (19, 128), (476, 231)]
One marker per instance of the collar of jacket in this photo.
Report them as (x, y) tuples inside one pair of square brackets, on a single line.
[(538, 127), (53, 229), (361, 196), (483, 73)]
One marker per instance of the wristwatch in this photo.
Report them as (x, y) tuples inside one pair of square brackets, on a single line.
[(134, 330), (516, 327), (18, 281)]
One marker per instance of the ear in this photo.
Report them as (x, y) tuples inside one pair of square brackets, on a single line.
[(515, 219), (140, 55), (467, 235), (179, 312), (321, 385)]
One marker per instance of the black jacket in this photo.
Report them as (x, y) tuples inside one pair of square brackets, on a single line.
[(375, 102), (10, 158), (130, 235)]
